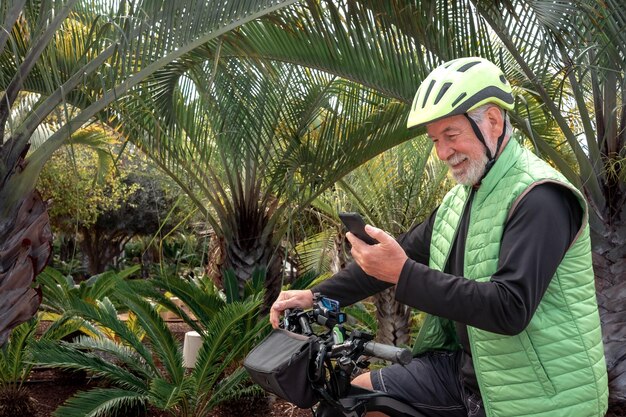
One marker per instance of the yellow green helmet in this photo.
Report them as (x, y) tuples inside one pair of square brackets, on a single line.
[(457, 87)]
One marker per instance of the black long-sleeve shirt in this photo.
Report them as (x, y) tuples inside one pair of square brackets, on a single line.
[(535, 239)]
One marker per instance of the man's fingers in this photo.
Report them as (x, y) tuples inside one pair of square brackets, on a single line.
[(290, 299), (274, 319), (288, 303), (285, 300), (378, 234), (351, 238)]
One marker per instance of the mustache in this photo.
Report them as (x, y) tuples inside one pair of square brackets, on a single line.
[(456, 158)]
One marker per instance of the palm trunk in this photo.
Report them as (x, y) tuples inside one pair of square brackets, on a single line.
[(247, 255), (101, 248), (609, 262), (249, 248), (25, 247), (393, 319)]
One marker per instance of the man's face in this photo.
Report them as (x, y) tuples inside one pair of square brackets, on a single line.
[(457, 145)]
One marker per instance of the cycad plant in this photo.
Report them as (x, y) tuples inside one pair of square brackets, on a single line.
[(149, 371), (60, 291), (16, 364)]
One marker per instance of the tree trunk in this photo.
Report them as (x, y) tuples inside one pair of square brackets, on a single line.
[(609, 262), (25, 247), (393, 319), (100, 248), (247, 255)]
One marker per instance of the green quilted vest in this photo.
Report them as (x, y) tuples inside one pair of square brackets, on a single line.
[(556, 366)]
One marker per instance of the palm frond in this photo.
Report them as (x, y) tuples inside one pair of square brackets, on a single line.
[(315, 253), (65, 325), (67, 356), (104, 314), (14, 354), (165, 347), (266, 138), (100, 402), (556, 27), (124, 355), (166, 395), (121, 56), (402, 40), (201, 304), (226, 338), (231, 387), (366, 318)]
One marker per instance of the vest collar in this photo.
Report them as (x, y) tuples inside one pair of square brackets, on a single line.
[(505, 161)]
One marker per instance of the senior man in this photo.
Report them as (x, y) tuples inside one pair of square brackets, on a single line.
[(502, 268)]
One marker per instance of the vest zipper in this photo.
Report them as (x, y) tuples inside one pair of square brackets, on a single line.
[(456, 231)]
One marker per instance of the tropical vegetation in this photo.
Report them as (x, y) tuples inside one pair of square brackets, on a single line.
[(141, 360), (260, 112)]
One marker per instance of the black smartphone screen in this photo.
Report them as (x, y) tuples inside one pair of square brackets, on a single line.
[(356, 225)]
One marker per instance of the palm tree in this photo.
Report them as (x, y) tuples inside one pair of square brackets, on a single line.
[(256, 144), (111, 48)]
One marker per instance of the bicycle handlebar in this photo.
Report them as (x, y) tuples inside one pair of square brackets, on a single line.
[(388, 352), (326, 312)]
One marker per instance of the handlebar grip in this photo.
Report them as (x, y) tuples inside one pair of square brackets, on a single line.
[(387, 352)]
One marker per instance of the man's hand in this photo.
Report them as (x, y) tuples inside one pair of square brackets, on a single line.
[(290, 299), (384, 260)]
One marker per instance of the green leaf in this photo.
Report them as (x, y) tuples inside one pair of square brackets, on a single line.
[(100, 402)]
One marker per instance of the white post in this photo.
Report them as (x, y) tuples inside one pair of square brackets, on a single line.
[(191, 346)]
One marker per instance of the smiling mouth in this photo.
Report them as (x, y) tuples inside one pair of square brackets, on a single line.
[(456, 164)]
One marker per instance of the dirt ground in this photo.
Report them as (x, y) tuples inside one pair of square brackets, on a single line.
[(49, 395)]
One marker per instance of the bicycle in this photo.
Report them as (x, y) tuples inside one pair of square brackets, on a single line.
[(335, 354)]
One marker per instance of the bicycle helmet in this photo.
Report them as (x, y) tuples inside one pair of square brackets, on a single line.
[(457, 87)]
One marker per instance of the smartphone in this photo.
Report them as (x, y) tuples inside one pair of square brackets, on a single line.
[(356, 225)]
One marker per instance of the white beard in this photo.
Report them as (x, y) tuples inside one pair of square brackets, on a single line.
[(472, 173)]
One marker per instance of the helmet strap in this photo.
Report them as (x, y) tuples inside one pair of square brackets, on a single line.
[(479, 134)]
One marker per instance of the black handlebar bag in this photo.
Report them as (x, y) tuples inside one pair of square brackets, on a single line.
[(280, 364)]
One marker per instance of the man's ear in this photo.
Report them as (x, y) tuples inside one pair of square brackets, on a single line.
[(495, 121)]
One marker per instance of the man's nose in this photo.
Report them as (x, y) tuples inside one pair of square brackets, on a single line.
[(443, 151)]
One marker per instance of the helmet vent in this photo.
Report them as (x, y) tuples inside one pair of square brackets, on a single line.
[(442, 92), (430, 87), (468, 66), (459, 98), (502, 79)]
